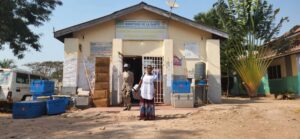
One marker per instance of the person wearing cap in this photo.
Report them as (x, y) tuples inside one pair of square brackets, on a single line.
[(128, 78)]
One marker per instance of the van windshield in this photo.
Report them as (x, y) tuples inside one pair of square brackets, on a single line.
[(4, 77)]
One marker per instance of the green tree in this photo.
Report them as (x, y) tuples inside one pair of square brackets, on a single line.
[(7, 63), (51, 69), (17, 16), (250, 24)]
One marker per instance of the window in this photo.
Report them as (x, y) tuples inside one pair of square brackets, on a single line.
[(34, 77), (43, 78), (22, 78), (274, 72)]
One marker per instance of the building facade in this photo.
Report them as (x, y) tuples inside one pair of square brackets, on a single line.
[(141, 35), (283, 72)]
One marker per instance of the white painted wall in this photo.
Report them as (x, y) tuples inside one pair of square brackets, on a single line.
[(213, 70)]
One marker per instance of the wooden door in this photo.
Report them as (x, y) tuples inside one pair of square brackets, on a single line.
[(101, 96)]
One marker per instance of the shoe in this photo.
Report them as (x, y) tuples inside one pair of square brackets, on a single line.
[(125, 109), (128, 108)]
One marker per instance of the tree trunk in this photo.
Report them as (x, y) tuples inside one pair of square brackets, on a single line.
[(251, 91)]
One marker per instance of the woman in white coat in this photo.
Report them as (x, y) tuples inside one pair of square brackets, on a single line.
[(147, 88)]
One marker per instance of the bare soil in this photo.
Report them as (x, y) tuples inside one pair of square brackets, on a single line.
[(236, 118)]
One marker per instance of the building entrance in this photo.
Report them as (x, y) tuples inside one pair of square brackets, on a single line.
[(138, 65)]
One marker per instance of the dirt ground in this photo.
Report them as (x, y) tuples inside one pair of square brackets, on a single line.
[(236, 118)]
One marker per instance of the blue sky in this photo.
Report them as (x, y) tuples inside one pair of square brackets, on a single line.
[(76, 11)]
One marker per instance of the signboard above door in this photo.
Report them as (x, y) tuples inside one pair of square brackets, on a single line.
[(141, 30)]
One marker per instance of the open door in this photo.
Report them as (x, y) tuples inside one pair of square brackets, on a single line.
[(136, 67)]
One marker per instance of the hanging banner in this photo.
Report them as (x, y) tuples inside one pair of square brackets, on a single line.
[(141, 30), (191, 50), (101, 49)]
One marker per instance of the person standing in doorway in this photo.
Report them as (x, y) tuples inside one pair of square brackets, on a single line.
[(128, 79), (147, 88)]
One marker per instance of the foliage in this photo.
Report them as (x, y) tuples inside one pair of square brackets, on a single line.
[(52, 69), (252, 63), (17, 17), (250, 24), (7, 63)]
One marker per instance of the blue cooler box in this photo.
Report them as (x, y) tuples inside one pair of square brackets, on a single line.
[(42, 87), (56, 106), (181, 86), (28, 109), (66, 98)]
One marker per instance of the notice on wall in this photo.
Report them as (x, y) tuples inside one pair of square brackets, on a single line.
[(70, 71), (177, 61), (141, 30), (191, 50), (101, 49)]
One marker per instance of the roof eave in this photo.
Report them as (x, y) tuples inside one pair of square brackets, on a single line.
[(61, 33)]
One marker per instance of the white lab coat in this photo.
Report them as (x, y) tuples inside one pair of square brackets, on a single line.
[(147, 88)]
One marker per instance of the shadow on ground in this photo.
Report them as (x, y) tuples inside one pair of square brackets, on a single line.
[(232, 100)]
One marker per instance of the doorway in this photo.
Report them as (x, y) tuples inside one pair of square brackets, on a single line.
[(136, 65), (157, 64)]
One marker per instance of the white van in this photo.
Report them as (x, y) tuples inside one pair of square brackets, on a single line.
[(16, 83)]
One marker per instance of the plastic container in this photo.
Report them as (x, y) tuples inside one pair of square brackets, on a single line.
[(28, 109), (82, 101), (43, 98), (200, 71), (40, 87), (181, 86), (35, 96), (66, 98), (182, 100), (56, 106), (201, 82)]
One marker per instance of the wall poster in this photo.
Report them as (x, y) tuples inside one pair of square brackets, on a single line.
[(177, 61), (101, 49), (191, 50)]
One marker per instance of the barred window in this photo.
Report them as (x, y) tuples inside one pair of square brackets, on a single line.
[(274, 72)]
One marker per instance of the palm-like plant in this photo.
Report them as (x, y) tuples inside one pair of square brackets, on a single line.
[(252, 58), (250, 24), (7, 63), (251, 61)]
